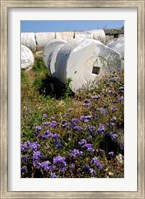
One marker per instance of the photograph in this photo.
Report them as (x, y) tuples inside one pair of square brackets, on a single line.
[(72, 98)]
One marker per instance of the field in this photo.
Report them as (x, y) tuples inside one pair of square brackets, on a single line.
[(67, 135)]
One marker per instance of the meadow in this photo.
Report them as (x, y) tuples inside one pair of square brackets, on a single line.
[(67, 135)]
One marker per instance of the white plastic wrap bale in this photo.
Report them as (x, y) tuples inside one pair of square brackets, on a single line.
[(99, 34), (84, 34), (67, 36), (42, 38), (91, 34), (28, 39), (48, 50), (27, 58), (53, 59), (83, 60), (117, 45)]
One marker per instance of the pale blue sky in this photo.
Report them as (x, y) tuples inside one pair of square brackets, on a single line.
[(68, 25)]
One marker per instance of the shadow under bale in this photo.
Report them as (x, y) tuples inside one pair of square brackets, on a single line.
[(51, 86)]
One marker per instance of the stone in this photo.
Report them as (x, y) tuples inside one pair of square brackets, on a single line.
[(28, 39), (83, 60), (67, 36), (49, 48), (27, 58), (42, 38), (117, 45)]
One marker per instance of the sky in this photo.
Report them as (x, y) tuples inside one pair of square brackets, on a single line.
[(68, 25)]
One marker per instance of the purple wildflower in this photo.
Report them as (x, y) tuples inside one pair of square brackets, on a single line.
[(112, 124), (121, 89), (96, 163), (53, 124), (44, 115), (114, 136), (111, 153), (121, 99), (66, 125), (62, 169), (100, 129), (39, 136), (52, 168), (69, 110), (86, 104), (83, 141), (71, 166), (90, 149), (37, 155), (53, 118), (113, 119), (66, 114), (90, 137), (36, 164), (101, 150), (45, 165), (59, 160), (75, 153), (38, 128), (109, 91), (25, 159), (114, 79), (88, 145), (96, 97), (86, 100), (55, 135), (85, 168), (24, 146), (75, 121), (46, 123), (92, 172), (34, 146), (91, 128), (23, 169), (58, 143), (53, 175), (113, 110), (78, 128)]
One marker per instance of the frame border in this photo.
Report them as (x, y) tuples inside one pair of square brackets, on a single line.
[(4, 7)]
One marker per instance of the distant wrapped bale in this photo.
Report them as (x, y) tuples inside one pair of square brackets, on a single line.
[(28, 39), (91, 34), (84, 34), (117, 45), (67, 36), (42, 38), (48, 50), (27, 58)]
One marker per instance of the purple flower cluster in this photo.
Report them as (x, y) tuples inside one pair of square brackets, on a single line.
[(86, 146), (96, 163), (86, 102), (96, 97), (75, 152), (67, 112), (86, 119), (34, 146)]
